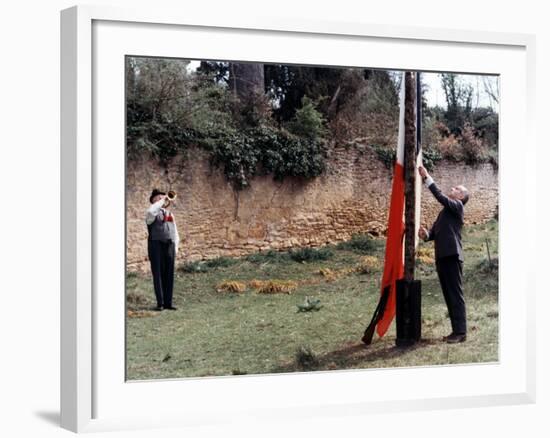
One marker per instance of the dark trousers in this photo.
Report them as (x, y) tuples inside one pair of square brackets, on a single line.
[(162, 256), (449, 271)]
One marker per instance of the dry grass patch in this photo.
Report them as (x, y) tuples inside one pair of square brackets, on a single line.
[(135, 299), (141, 314), (277, 287), (235, 287), (332, 275), (425, 255), (368, 265)]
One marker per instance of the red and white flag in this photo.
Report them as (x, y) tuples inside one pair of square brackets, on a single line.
[(394, 263)]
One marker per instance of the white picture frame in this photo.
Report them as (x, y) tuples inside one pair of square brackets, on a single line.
[(93, 395)]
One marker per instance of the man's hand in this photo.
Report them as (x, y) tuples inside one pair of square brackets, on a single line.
[(423, 172), (423, 233)]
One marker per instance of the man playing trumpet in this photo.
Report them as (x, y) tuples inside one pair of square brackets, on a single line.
[(162, 246)]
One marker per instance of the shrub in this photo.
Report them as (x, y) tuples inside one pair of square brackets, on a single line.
[(265, 257), (360, 243), (310, 254), (220, 262), (307, 122), (131, 275), (306, 358), (309, 305), (430, 157), (449, 148), (193, 267), (485, 266), (473, 148)]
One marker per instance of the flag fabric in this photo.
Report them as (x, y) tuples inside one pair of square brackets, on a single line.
[(395, 241)]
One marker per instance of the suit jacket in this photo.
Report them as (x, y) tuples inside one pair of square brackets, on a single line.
[(447, 229)]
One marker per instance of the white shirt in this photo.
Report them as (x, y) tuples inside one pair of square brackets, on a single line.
[(428, 181)]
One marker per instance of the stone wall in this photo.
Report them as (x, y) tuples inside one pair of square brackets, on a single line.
[(351, 197)]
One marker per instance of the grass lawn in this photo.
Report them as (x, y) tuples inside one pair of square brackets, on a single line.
[(216, 333)]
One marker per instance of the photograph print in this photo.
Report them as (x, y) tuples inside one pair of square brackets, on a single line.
[(287, 218)]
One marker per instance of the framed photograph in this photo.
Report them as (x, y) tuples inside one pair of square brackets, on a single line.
[(225, 197)]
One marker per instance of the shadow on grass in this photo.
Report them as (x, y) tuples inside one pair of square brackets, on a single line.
[(354, 355)]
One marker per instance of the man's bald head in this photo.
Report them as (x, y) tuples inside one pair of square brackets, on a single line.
[(461, 193)]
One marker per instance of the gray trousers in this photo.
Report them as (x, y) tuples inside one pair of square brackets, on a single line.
[(449, 271)]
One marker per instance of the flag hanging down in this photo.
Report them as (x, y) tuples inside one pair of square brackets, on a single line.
[(394, 256)]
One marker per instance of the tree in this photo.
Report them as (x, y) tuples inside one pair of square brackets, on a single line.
[(491, 86), (286, 85), (459, 102), (246, 79)]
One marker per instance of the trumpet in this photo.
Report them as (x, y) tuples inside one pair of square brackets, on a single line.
[(170, 197)]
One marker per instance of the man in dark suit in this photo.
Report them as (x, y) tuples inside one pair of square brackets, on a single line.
[(449, 258)]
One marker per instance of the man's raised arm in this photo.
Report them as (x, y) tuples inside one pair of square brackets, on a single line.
[(452, 204), (153, 211)]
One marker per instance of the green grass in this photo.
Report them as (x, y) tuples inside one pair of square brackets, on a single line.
[(215, 334)]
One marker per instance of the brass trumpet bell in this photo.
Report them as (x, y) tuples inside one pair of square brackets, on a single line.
[(171, 195)]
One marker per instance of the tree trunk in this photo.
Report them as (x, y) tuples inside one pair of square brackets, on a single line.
[(246, 80)]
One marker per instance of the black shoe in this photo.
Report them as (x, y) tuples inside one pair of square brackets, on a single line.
[(171, 308), (455, 338), (157, 309)]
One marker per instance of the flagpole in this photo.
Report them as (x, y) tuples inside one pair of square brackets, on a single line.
[(408, 290), (410, 173)]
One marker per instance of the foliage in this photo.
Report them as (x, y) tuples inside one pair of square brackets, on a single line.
[(267, 256), (307, 122), (459, 101), (430, 157), (382, 96), (306, 359), (193, 267), (361, 244), (461, 132), (220, 262), (386, 155), (207, 265), (286, 130), (310, 254), (473, 148), (167, 110), (487, 266), (310, 304), (242, 155), (287, 85), (485, 124)]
